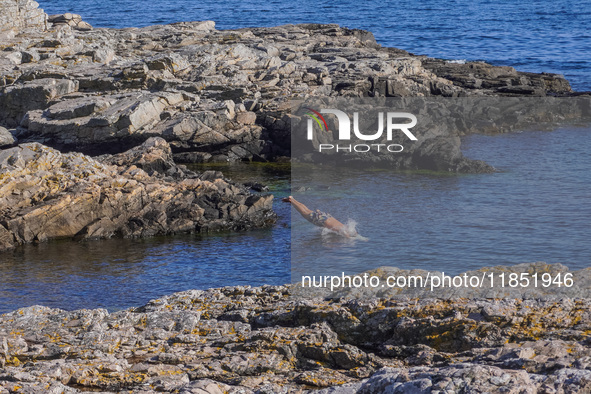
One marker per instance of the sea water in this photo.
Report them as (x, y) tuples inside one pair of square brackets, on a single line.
[(119, 273), (536, 208)]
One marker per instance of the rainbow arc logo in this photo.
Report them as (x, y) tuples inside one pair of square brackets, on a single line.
[(316, 115)]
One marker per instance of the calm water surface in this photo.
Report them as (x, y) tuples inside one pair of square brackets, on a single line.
[(545, 35), (537, 208), (118, 273)]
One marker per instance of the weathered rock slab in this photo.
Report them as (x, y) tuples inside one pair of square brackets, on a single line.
[(46, 194), (243, 339), (6, 138), (223, 95), (16, 15)]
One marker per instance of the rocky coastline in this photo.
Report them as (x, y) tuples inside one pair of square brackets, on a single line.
[(93, 126), (209, 96), (214, 95), (265, 340), (46, 194)]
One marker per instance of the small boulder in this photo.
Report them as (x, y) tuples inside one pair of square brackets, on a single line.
[(246, 117), (6, 138)]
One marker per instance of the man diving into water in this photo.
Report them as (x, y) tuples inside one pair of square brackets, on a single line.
[(320, 219)]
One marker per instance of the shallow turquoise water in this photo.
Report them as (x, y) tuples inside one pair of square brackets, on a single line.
[(544, 35)]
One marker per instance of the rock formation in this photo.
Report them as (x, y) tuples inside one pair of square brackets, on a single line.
[(441, 123), (73, 20), (45, 194), (262, 340), (6, 138), (18, 15), (221, 95), (135, 99)]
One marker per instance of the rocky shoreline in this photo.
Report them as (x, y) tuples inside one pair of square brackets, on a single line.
[(93, 124), (207, 96), (214, 95), (46, 194), (265, 340)]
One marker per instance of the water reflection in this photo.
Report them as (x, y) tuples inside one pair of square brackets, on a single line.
[(119, 273)]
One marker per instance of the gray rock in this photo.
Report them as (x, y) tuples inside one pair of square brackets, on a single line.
[(221, 95), (6, 138), (134, 194), (17, 100), (244, 340), (14, 58), (103, 55), (68, 19), (30, 56), (21, 14)]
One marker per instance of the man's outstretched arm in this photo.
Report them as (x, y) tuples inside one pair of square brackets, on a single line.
[(301, 208)]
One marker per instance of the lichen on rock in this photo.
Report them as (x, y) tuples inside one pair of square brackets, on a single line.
[(224, 95), (262, 339), (46, 194)]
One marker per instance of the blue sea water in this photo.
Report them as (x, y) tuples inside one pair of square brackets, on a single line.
[(119, 273), (536, 208), (539, 36)]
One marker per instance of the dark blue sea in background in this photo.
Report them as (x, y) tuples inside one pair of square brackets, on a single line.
[(538, 208), (539, 36)]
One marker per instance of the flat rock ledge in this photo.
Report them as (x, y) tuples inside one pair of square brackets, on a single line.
[(221, 95), (46, 194), (264, 340)]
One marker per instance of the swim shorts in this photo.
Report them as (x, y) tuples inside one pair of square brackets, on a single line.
[(318, 217)]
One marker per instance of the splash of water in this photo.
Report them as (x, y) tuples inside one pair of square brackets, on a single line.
[(350, 231)]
